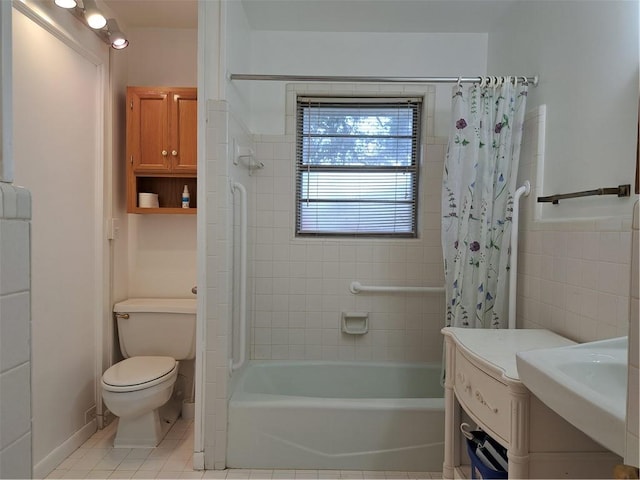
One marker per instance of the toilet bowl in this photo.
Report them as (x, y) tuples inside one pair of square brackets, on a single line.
[(154, 334), (134, 390)]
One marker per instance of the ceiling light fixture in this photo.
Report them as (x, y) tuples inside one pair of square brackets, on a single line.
[(87, 11), (118, 39), (94, 17)]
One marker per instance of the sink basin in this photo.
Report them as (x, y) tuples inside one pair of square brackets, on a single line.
[(586, 384)]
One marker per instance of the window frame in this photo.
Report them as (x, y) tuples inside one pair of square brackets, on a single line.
[(416, 103)]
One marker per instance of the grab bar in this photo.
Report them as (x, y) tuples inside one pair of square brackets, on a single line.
[(620, 191), (357, 287), (525, 189), (243, 278)]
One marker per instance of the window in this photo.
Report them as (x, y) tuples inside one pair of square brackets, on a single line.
[(357, 166)]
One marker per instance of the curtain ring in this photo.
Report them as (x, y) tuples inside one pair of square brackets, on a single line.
[(525, 81), (515, 82), (459, 82)]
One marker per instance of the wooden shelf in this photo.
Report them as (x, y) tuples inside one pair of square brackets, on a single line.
[(169, 190), (165, 211)]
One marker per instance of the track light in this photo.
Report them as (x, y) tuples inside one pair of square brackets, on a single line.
[(118, 39), (87, 11), (66, 3), (94, 17)]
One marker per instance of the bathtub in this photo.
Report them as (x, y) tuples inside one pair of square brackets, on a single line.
[(336, 415)]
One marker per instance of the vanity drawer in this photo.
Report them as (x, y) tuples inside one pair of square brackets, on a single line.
[(483, 396)]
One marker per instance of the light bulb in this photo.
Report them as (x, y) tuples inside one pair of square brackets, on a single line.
[(66, 3), (118, 40), (120, 43), (94, 18)]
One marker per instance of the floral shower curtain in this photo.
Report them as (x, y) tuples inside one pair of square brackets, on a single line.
[(479, 181)]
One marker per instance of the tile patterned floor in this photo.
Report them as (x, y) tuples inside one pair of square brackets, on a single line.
[(97, 458)]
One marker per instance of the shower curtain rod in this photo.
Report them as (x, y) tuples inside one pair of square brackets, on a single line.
[(368, 79)]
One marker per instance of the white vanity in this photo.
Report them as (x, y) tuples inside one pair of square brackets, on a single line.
[(482, 379)]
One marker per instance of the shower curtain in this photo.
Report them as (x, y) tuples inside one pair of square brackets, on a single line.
[(479, 181)]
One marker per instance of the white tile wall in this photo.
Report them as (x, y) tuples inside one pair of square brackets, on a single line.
[(302, 285), (15, 333), (224, 132), (573, 276), (633, 420)]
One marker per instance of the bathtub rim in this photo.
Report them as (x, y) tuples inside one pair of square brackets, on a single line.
[(239, 397)]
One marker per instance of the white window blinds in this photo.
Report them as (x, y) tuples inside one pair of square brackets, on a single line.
[(357, 166)]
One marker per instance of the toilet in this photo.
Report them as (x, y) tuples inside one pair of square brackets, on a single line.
[(154, 334)]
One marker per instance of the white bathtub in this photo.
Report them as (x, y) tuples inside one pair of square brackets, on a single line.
[(337, 415)]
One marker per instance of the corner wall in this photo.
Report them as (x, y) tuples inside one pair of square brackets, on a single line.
[(161, 249), (586, 54), (579, 134), (632, 442), (15, 333)]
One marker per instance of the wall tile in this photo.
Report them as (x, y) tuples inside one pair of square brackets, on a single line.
[(574, 275), (15, 460), (15, 408), (15, 330), (14, 256)]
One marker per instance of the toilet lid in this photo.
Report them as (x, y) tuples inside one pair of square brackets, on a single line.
[(138, 371)]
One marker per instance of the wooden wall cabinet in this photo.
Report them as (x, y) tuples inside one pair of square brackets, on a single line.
[(161, 147)]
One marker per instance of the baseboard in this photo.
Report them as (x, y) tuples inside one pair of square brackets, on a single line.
[(57, 456), (198, 460)]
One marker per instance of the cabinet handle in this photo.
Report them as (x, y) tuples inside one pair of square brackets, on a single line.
[(174, 153), (164, 153)]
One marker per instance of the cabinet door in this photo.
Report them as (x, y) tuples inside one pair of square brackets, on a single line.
[(147, 136), (183, 128)]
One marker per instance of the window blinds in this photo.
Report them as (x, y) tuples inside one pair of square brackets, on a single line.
[(357, 166)]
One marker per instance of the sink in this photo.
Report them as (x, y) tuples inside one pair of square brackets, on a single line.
[(586, 384)]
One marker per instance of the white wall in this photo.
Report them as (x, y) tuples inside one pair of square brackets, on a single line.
[(162, 56), (59, 74), (238, 55), (6, 160), (586, 54), (161, 257), (361, 53), (118, 204)]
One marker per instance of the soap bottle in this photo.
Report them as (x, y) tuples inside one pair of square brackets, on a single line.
[(185, 197)]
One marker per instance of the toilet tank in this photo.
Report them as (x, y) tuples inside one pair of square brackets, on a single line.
[(157, 326)]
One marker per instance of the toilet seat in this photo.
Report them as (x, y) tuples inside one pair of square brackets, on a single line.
[(138, 373)]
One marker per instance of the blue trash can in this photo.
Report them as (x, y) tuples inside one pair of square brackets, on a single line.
[(479, 467)]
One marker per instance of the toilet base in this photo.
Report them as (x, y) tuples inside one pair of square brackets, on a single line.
[(147, 430)]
